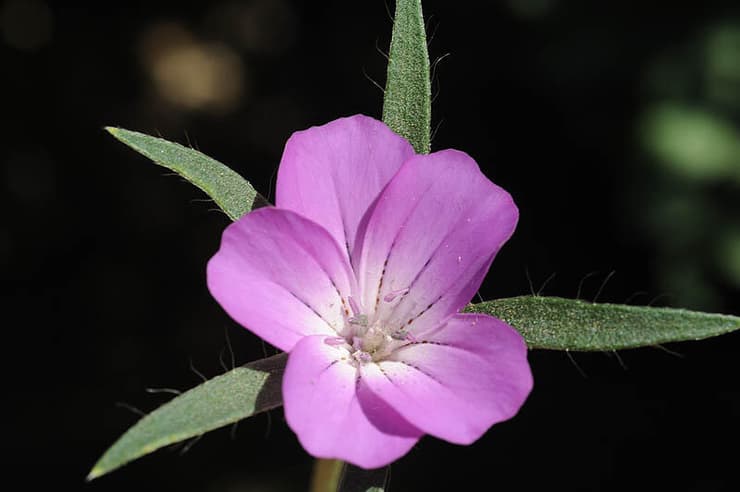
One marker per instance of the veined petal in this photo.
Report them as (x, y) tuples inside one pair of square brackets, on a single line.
[(281, 276), (332, 173), (330, 418), (434, 230), (469, 374)]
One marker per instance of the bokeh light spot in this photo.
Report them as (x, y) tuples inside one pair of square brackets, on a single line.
[(695, 143), (192, 74), (723, 64), (264, 27)]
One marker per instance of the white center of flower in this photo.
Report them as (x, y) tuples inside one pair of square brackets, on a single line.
[(370, 340)]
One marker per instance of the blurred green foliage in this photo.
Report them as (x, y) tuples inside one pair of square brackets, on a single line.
[(690, 136)]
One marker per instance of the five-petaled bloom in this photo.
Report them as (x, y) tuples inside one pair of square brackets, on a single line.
[(359, 272)]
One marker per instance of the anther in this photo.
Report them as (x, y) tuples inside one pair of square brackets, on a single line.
[(357, 343), (334, 341), (391, 296), (402, 334), (360, 320), (357, 317), (361, 356), (399, 334)]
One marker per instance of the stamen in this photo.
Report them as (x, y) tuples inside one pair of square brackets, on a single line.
[(391, 296), (399, 334), (360, 320), (334, 341), (361, 356), (357, 343), (402, 334), (355, 307)]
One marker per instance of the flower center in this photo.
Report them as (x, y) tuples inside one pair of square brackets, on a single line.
[(371, 340)]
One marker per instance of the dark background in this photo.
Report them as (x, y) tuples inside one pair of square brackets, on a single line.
[(614, 125)]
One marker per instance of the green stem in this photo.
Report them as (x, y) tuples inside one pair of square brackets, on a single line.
[(326, 475)]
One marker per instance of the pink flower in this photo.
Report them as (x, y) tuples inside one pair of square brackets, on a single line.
[(360, 272)]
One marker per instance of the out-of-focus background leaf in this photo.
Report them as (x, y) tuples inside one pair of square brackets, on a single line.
[(613, 124)]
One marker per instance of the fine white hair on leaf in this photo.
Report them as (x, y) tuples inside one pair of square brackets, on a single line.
[(221, 359), (659, 296), (620, 360), (635, 295), (196, 371), (436, 129), (379, 49), (372, 80), (669, 351), (575, 364), (130, 408), (603, 284), (171, 391), (430, 37), (231, 349), (529, 281), (436, 62), (580, 284), (544, 284), (189, 444), (232, 431)]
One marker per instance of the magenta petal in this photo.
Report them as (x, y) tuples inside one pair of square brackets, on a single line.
[(330, 419), (332, 173), (281, 276), (434, 231), (469, 374)]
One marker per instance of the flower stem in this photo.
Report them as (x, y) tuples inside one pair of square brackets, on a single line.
[(326, 475)]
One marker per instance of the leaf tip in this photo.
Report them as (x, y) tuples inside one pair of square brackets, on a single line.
[(95, 473), (112, 130)]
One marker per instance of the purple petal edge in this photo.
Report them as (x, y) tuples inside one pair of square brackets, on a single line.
[(458, 381), (332, 173), (331, 418)]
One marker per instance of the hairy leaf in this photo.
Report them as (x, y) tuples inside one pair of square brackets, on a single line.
[(407, 105), (568, 324), (227, 188), (223, 400)]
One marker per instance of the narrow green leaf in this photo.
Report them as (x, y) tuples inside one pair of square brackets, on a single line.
[(567, 324), (356, 479), (407, 105), (223, 400), (227, 188)]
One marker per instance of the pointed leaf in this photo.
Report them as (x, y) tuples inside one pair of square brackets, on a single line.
[(227, 188), (221, 401), (568, 324), (407, 105)]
